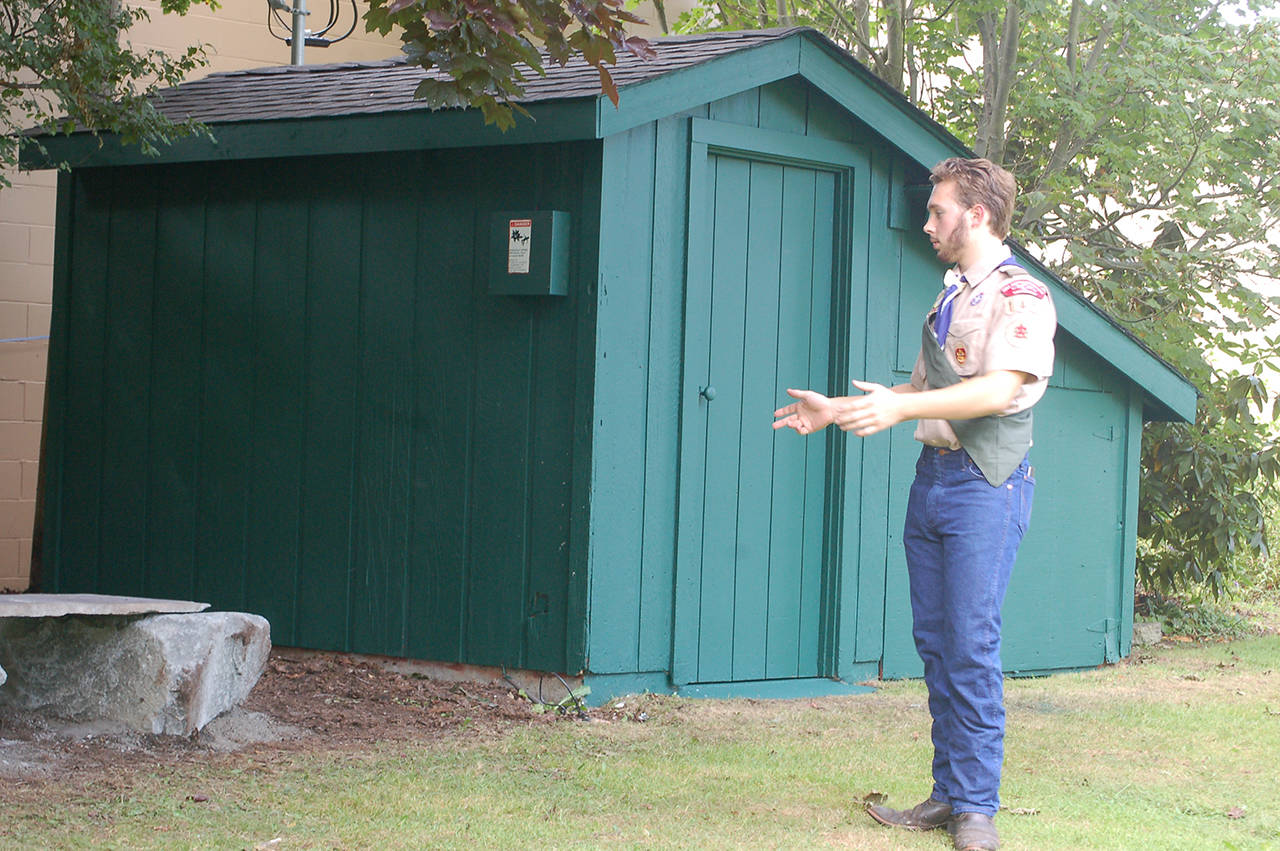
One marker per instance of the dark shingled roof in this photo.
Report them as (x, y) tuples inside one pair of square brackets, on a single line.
[(352, 88)]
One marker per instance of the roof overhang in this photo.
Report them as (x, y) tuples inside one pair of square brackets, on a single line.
[(424, 129)]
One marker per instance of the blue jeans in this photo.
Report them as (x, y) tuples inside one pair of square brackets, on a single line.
[(961, 537)]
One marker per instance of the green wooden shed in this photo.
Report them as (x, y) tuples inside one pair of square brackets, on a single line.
[(299, 370)]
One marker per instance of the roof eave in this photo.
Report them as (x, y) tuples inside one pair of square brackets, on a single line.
[(1167, 395), (401, 130)]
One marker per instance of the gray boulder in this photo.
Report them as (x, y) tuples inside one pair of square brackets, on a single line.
[(169, 673), (1147, 633)]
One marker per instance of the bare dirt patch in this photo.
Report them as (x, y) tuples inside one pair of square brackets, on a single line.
[(321, 702)]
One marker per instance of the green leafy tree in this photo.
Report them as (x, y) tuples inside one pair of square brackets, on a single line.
[(486, 47), (1143, 136), (68, 63)]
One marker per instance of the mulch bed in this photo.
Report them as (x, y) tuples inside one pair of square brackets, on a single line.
[(311, 703), (345, 701)]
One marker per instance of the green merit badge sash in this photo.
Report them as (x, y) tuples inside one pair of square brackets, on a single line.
[(996, 444)]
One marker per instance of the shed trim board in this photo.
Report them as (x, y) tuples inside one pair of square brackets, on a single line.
[(676, 91), (411, 130), (1129, 554)]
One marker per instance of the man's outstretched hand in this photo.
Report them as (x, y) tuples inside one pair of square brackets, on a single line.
[(879, 409), (813, 412)]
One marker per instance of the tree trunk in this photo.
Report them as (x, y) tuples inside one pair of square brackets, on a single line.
[(895, 43), (661, 8), (1071, 137), (999, 69), (862, 31)]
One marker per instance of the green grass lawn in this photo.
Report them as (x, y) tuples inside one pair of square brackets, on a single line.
[(1176, 748)]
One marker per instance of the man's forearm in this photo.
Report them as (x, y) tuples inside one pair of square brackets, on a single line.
[(976, 397), (883, 407)]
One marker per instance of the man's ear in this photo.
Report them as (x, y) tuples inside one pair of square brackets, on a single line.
[(979, 214)]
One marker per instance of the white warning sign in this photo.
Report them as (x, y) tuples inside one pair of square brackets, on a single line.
[(519, 239)]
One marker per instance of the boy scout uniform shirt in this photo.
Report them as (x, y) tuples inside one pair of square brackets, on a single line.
[(1002, 319)]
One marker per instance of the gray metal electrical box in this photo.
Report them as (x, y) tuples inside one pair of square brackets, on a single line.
[(529, 252)]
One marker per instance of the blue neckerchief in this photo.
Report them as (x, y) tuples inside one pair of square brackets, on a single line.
[(942, 320)]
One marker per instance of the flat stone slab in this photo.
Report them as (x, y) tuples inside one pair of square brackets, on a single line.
[(59, 605), (154, 673)]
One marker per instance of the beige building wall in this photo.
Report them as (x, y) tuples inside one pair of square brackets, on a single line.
[(236, 37), (26, 276)]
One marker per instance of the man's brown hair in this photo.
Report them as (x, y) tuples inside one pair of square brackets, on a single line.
[(980, 181)]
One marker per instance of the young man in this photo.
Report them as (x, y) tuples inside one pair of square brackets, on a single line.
[(985, 359)]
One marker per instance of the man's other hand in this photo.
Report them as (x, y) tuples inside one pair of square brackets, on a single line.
[(866, 415)]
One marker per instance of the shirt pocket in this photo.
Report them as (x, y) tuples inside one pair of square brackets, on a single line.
[(965, 341)]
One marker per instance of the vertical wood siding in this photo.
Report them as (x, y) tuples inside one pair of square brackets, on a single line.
[(283, 387)]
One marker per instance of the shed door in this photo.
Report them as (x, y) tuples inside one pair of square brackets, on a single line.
[(754, 593)]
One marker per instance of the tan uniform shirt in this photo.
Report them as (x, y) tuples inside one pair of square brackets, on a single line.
[(1001, 319)]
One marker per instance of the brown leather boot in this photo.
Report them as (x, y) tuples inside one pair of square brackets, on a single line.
[(973, 832), (927, 816)]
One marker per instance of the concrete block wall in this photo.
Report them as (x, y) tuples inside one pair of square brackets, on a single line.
[(26, 279), (236, 37)]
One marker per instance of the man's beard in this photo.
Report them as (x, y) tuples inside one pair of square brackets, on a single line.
[(951, 247)]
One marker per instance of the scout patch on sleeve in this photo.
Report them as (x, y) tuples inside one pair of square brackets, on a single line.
[(1024, 286), (1020, 333)]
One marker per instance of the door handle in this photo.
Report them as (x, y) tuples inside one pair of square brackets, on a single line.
[(708, 392)]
